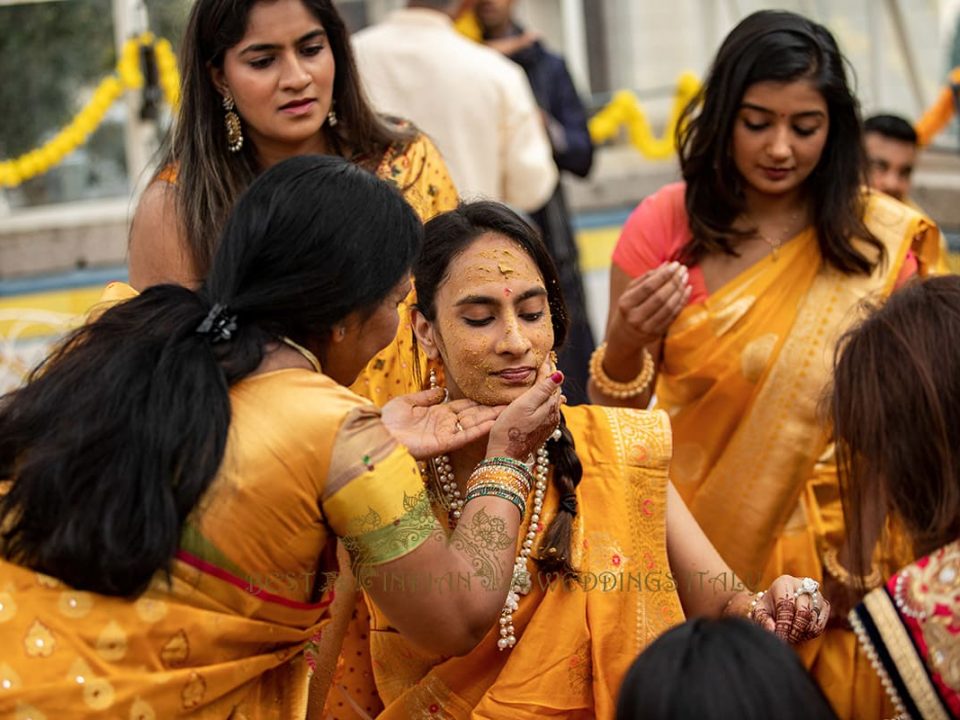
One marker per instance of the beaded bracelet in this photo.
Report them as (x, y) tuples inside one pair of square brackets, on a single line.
[(500, 491), (613, 388), (832, 565)]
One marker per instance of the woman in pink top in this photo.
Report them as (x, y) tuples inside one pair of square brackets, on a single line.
[(731, 289)]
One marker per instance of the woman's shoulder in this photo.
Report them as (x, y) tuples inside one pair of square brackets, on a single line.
[(417, 168), (665, 207), (412, 145), (627, 436), (655, 231), (884, 210), (300, 396), (158, 251), (906, 232)]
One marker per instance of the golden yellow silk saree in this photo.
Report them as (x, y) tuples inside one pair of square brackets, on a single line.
[(742, 377), (575, 642)]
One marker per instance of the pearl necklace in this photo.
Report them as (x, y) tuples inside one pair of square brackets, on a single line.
[(520, 581)]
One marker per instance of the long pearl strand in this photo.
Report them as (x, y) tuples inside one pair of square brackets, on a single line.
[(450, 491), (520, 583)]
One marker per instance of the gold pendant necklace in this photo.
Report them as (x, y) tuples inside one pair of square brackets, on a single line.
[(777, 243)]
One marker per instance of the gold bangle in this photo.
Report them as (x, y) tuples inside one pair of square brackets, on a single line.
[(613, 388), (843, 576), (506, 476)]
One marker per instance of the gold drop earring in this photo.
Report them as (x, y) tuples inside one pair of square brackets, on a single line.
[(232, 123)]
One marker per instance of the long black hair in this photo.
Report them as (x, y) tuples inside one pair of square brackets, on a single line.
[(209, 177), (779, 46), (709, 669), (445, 237), (115, 439)]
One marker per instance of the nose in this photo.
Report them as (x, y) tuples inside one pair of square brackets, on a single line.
[(513, 341), (779, 148), (887, 181), (294, 75)]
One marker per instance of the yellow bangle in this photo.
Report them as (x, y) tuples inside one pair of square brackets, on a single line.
[(832, 565), (505, 476), (620, 390)]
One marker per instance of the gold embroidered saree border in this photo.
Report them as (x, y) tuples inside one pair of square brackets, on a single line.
[(644, 444), (761, 474), (901, 649)]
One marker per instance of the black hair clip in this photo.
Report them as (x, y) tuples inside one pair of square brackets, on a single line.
[(568, 503), (217, 326)]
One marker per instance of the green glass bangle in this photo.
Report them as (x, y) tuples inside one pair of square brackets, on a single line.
[(497, 491)]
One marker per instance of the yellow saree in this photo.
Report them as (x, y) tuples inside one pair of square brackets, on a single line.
[(742, 376), (575, 643), (420, 174), (306, 461)]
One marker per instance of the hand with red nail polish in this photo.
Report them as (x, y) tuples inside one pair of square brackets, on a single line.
[(528, 421)]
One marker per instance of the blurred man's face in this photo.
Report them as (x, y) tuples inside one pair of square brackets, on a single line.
[(493, 14), (890, 164)]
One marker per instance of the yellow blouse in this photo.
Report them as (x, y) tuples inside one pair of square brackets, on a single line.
[(419, 172), (248, 589)]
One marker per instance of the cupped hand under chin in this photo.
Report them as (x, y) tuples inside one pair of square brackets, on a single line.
[(528, 421), (427, 426)]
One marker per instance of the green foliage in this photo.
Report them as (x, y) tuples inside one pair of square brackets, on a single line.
[(50, 52), (168, 18)]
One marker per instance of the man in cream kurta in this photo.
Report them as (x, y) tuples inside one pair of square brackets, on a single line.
[(474, 103)]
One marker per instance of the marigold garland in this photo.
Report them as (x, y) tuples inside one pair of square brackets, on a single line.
[(127, 76), (625, 110)]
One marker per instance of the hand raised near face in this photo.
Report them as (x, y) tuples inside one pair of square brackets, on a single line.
[(649, 304), (427, 426), (527, 422)]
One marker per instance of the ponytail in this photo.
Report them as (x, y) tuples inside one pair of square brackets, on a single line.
[(113, 442), (115, 439), (555, 550)]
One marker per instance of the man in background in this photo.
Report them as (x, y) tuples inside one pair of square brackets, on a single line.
[(473, 103), (565, 120), (891, 145)]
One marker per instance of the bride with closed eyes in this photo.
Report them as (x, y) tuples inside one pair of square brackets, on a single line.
[(607, 557)]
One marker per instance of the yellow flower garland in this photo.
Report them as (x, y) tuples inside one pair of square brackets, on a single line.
[(625, 110), (126, 77)]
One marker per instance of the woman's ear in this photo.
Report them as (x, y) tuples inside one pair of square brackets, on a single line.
[(219, 80), (338, 333), (423, 329)]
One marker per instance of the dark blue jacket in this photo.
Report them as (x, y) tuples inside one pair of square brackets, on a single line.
[(557, 96)]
